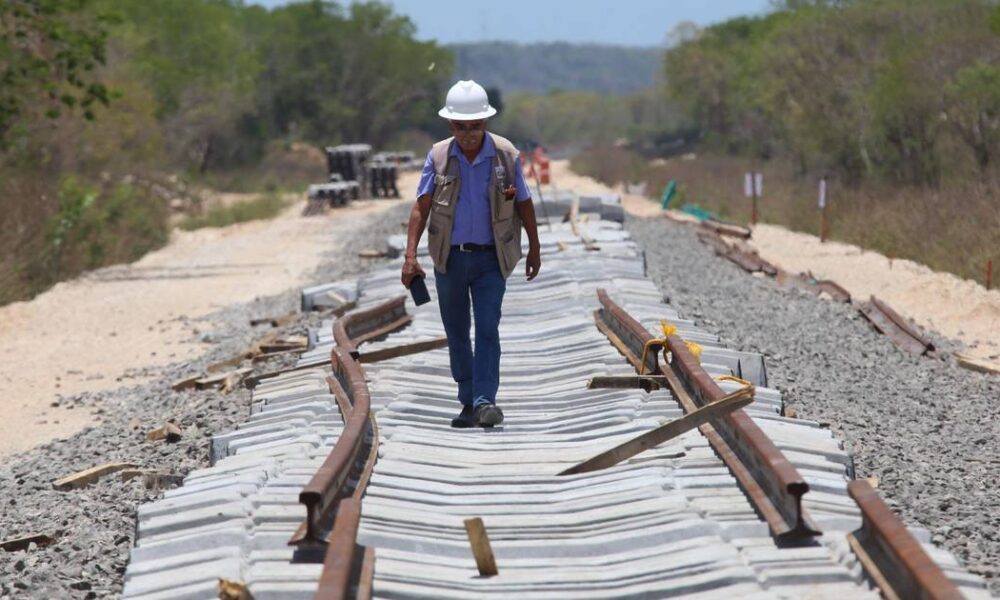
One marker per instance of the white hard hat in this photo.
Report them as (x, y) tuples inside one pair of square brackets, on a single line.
[(467, 101)]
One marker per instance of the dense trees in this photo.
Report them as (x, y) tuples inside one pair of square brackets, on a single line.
[(541, 68), (49, 50), (219, 79), (902, 90), (102, 100)]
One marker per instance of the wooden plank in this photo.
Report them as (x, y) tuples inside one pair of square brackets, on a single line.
[(232, 380), (233, 590), (274, 321), (663, 433), (221, 378), (229, 363), (372, 253), (252, 381), (185, 384), (730, 229), (481, 549), (88, 476), (403, 350), (270, 355), (23, 542), (169, 432), (339, 311), (975, 364)]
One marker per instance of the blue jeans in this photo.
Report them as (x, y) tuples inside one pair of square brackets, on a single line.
[(477, 376)]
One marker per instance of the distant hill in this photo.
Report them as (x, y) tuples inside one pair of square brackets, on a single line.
[(544, 67)]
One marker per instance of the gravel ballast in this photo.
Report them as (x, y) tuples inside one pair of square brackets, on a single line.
[(926, 428), (94, 526)]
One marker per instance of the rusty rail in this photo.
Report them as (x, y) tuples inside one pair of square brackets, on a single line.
[(339, 564), (891, 556), (773, 484), (322, 495), (333, 516), (360, 326), (895, 327)]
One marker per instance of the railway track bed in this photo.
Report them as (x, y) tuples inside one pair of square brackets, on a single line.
[(678, 520)]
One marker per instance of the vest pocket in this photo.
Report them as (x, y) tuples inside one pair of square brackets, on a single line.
[(505, 207), (509, 245)]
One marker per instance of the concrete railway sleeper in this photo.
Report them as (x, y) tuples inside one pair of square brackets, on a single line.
[(708, 513)]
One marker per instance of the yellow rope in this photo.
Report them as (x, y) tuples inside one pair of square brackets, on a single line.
[(742, 382), (694, 349), (668, 328)]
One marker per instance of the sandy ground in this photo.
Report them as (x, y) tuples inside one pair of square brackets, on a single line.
[(958, 309), (88, 333)]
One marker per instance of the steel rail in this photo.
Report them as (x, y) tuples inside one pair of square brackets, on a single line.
[(891, 556), (333, 516), (325, 490), (360, 326), (772, 483), (895, 327), (323, 494)]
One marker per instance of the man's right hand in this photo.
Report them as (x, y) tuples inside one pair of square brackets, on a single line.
[(411, 269)]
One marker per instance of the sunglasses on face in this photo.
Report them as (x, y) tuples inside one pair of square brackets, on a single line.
[(468, 127)]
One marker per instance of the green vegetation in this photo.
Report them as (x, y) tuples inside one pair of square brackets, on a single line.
[(91, 225), (577, 119), (103, 101), (896, 102), (900, 91), (544, 68), (264, 206)]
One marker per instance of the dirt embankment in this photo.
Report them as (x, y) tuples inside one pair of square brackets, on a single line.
[(956, 308), (98, 331)]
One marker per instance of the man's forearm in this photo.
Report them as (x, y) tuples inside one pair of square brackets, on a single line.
[(415, 228), (526, 210)]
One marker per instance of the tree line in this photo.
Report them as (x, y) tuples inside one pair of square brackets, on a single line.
[(103, 102), (210, 82), (903, 91)]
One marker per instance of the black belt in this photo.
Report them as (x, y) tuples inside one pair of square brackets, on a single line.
[(467, 247)]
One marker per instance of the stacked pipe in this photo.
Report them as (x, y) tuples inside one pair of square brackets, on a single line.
[(348, 161), (382, 180), (404, 159)]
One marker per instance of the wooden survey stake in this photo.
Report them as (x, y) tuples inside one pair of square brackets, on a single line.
[(651, 439), (481, 549)]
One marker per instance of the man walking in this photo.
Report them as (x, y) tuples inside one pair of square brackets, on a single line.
[(473, 193)]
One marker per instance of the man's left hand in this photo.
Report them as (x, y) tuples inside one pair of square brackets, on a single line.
[(533, 263)]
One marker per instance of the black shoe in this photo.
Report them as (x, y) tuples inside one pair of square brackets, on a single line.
[(488, 415), (466, 418)]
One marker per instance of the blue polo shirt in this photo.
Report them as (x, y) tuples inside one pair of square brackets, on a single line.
[(472, 213)]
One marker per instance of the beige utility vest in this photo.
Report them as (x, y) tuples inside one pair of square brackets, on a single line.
[(506, 222)]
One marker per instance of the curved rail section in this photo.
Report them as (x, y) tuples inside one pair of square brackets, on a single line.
[(773, 484), (326, 495), (324, 492), (359, 326)]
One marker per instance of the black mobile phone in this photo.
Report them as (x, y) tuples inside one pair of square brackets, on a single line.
[(418, 290)]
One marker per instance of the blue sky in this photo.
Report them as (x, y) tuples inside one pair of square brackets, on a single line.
[(625, 22)]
